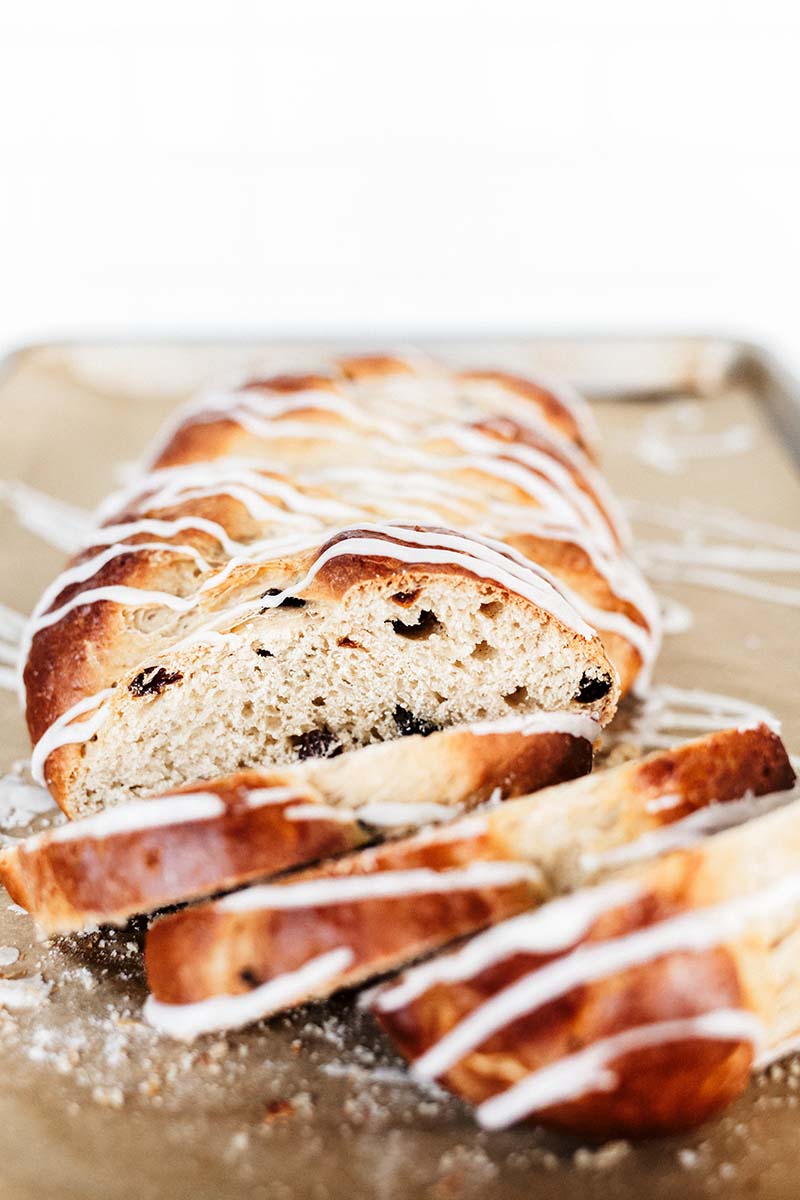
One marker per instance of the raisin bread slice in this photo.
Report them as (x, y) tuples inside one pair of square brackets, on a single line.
[(231, 961), (217, 835), (631, 1009)]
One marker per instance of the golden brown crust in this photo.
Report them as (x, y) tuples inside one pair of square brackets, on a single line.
[(658, 1089), (106, 877), (83, 881), (731, 763), (553, 409), (366, 366), (210, 952)]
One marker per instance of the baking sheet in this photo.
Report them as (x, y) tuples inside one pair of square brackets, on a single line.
[(94, 1104)]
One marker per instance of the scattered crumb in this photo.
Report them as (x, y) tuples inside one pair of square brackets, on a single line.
[(109, 1097), (603, 1158), (239, 1142), (24, 993), (283, 1109), (278, 1110)]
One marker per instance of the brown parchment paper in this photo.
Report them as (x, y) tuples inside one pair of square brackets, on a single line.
[(95, 1105)]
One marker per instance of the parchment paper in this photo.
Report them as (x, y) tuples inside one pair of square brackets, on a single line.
[(95, 1105)]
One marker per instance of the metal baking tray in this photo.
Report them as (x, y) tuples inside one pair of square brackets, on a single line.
[(702, 438)]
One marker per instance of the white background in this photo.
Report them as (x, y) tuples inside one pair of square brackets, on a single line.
[(424, 164)]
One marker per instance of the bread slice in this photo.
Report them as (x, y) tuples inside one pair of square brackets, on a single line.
[(377, 632), (254, 952), (634, 1008), (213, 836), (313, 562)]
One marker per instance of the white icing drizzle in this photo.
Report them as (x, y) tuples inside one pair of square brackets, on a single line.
[(666, 712), (662, 803), (586, 510), (159, 812), (676, 618), (385, 815), (553, 927), (320, 812), (251, 481), (380, 814), (42, 619), (188, 1021), (344, 889), (371, 487), (579, 725), (590, 1070), (135, 815), (725, 581), (67, 731), (692, 931), (751, 547), (535, 472), (674, 435), (107, 535), (90, 566), (714, 818), (466, 827), (698, 520), (429, 391), (733, 557), (21, 801), (260, 797), (57, 523), (12, 625)]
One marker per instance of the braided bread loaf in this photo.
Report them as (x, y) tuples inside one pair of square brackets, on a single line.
[(317, 563)]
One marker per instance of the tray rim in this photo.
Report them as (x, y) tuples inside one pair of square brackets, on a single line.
[(742, 359)]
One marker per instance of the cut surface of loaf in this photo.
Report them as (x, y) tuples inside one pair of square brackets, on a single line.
[(225, 962), (316, 563), (216, 835), (376, 634), (626, 1010)]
